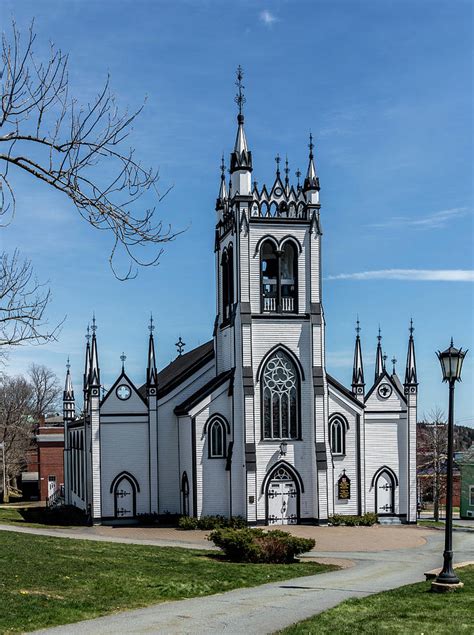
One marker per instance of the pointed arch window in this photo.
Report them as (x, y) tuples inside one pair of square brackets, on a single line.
[(280, 398), (279, 278), (227, 272), (338, 429), (216, 434)]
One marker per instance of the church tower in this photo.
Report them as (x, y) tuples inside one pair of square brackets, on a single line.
[(411, 395), (269, 329)]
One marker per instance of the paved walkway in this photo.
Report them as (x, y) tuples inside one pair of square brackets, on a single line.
[(268, 608)]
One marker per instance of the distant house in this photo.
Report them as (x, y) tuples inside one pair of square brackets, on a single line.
[(466, 466)]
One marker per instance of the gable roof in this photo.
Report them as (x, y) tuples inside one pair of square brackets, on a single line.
[(203, 392), (395, 384), (181, 368), (345, 391), (123, 375)]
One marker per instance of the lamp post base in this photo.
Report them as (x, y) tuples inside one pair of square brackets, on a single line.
[(444, 587)]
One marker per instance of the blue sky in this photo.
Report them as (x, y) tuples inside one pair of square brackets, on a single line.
[(385, 87)]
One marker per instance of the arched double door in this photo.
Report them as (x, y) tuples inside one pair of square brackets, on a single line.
[(124, 488), (282, 497)]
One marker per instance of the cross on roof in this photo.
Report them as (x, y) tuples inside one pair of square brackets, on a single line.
[(180, 346)]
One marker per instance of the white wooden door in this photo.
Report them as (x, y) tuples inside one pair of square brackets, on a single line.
[(384, 494), (51, 485), (282, 499), (124, 499)]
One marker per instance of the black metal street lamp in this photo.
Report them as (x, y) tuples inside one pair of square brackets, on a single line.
[(451, 364)]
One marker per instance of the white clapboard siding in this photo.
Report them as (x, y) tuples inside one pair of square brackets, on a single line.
[(133, 405)]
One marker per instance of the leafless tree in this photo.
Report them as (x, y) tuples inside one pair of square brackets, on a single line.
[(23, 301), (432, 443), (45, 391), (16, 425), (79, 150)]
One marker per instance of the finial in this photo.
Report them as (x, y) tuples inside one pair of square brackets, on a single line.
[(412, 328), (298, 174), (151, 326), (180, 346), (384, 357), (123, 357), (68, 365), (240, 98), (310, 145), (88, 334), (255, 183), (277, 161), (394, 361), (94, 326), (452, 342), (222, 167), (357, 326), (287, 171), (379, 336)]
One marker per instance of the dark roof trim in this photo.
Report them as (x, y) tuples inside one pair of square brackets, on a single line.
[(203, 392), (345, 391), (123, 375)]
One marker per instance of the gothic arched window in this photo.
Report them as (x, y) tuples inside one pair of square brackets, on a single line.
[(280, 398), (227, 272), (279, 278), (338, 436), (216, 434)]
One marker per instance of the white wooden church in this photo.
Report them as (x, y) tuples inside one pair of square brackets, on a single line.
[(250, 423)]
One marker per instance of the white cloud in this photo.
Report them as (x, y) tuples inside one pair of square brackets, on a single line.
[(435, 220), (433, 275), (340, 359), (268, 18)]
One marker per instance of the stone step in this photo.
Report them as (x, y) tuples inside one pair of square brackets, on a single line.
[(389, 520)]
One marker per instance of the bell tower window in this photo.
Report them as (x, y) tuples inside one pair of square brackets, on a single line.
[(227, 271), (278, 278)]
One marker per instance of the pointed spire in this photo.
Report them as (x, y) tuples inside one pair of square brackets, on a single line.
[(222, 196), (311, 181), (87, 363), (69, 408), (241, 158), (94, 362), (151, 373), (358, 382), (379, 362), (410, 372)]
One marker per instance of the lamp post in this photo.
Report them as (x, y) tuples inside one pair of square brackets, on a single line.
[(451, 364)]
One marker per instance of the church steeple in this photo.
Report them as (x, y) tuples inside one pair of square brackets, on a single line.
[(311, 182), (241, 157), (94, 363), (379, 361), (151, 373), (358, 382), (410, 372), (222, 196), (87, 365), (68, 396)]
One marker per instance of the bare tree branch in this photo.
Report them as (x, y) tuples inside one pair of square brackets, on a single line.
[(46, 134), (45, 391)]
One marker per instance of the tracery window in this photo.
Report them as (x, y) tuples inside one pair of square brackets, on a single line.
[(280, 386), (338, 436), (216, 439), (278, 278)]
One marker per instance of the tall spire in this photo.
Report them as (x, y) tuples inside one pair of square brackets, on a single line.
[(222, 196), (311, 181), (68, 396), (358, 382), (241, 157), (151, 374), (87, 363), (379, 361), (410, 372), (94, 364)]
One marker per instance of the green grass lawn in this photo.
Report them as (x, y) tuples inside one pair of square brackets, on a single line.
[(48, 581), (10, 515), (411, 609)]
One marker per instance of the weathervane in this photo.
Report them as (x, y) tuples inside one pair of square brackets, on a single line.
[(240, 98), (123, 357), (180, 346)]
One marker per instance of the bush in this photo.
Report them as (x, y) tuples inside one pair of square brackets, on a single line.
[(211, 522), (148, 518), (366, 520), (63, 515), (257, 545)]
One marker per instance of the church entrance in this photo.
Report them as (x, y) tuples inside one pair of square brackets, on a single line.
[(282, 498), (124, 496), (384, 494)]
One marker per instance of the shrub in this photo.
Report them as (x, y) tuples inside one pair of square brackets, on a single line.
[(148, 518), (211, 522), (257, 545), (63, 515), (365, 520)]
